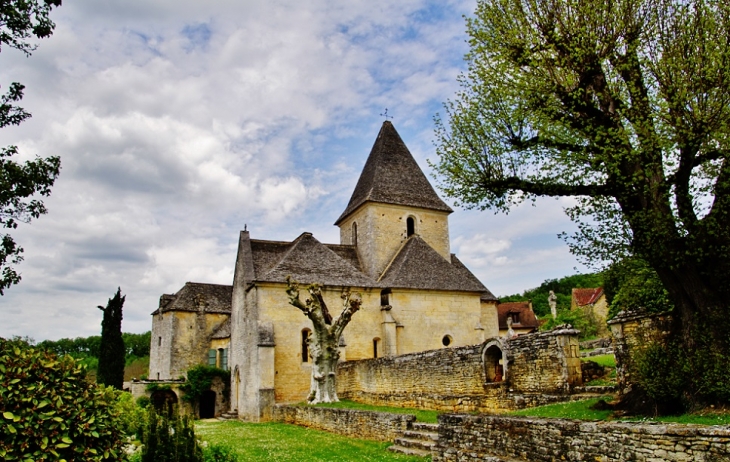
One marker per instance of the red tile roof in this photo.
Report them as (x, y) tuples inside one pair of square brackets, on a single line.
[(583, 297), (526, 316)]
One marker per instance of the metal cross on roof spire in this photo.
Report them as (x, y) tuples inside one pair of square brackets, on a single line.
[(385, 114)]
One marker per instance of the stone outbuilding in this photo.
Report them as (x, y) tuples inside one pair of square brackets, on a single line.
[(521, 317), (593, 303)]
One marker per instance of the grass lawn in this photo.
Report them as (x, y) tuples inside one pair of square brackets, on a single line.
[(604, 360), (421, 415), (580, 410), (275, 442), (570, 410)]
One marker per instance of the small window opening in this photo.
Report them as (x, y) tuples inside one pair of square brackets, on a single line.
[(159, 341), (158, 376), (305, 345), (212, 358), (515, 318), (410, 226), (376, 341), (223, 358), (354, 233), (385, 297), (446, 341)]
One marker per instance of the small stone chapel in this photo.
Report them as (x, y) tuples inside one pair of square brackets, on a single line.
[(394, 250)]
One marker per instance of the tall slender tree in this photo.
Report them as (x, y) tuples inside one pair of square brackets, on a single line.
[(111, 350)]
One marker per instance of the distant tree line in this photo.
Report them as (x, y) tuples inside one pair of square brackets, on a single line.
[(135, 345)]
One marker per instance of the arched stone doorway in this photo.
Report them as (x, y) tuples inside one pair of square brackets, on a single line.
[(494, 361), (164, 400), (207, 404)]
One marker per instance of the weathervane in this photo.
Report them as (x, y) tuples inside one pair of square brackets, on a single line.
[(385, 114)]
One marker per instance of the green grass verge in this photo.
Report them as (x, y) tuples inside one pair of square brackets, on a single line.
[(279, 442), (421, 415), (570, 410), (580, 410), (604, 360)]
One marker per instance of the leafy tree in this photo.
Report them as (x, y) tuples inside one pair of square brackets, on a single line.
[(137, 345), (630, 284), (48, 411), (325, 339), (111, 350), (20, 22), (623, 105)]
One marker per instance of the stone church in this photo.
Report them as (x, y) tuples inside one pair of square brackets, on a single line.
[(394, 250)]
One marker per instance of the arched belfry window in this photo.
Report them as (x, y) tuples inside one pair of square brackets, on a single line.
[(385, 297), (410, 226), (354, 233)]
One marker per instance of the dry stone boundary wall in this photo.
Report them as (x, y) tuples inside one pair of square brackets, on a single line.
[(380, 426), (467, 438)]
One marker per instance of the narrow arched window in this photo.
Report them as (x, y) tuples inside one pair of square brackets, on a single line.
[(354, 233), (385, 297), (410, 226), (305, 345), (376, 341)]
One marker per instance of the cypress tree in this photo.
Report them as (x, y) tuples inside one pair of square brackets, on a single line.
[(111, 349)]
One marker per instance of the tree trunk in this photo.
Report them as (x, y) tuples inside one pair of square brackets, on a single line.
[(325, 353), (325, 340)]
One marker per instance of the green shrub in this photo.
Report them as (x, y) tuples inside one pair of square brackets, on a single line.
[(169, 438), (132, 416), (219, 453), (48, 411), (143, 402), (576, 318), (200, 378)]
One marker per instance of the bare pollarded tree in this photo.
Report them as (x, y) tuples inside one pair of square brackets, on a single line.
[(325, 339)]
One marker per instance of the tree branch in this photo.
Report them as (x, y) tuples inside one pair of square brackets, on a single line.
[(546, 189)]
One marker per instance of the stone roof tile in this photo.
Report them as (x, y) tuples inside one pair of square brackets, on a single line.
[(392, 176), (194, 296), (308, 261), (419, 266)]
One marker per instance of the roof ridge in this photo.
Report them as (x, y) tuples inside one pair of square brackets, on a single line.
[(395, 255), (292, 245)]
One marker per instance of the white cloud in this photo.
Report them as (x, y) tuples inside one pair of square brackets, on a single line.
[(179, 122)]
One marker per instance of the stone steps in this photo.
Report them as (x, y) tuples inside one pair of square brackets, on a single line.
[(228, 416), (417, 441)]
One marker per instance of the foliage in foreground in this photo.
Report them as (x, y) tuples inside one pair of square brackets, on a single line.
[(274, 441), (169, 437), (48, 411)]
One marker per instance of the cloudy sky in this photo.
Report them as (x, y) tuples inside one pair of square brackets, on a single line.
[(179, 122)]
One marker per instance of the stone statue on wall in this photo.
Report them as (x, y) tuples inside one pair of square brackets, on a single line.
[(510, 331), (552, 300)]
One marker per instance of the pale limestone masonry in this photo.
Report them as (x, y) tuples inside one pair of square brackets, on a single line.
[(632, 332), (542, 368), (380, 426), (381, 231), (466, 438)]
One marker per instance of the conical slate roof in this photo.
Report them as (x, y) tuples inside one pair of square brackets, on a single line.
[(392, 176)]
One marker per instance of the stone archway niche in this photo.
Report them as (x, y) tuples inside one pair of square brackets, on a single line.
[(494, 360)]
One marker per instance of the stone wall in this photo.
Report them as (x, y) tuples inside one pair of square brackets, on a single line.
[(542, 368), (632, 332), (544, 362), (477, 438), (381, 426)]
